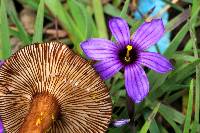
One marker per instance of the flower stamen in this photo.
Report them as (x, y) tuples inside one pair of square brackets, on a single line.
[(129, 48)]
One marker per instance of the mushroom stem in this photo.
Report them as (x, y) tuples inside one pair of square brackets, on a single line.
[(43, 112)]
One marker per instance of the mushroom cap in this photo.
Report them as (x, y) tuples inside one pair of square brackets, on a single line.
[(84, 101)]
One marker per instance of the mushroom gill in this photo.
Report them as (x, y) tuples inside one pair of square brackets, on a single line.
[(47, 88)]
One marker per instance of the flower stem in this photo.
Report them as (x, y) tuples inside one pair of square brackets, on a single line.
[(131, 114)]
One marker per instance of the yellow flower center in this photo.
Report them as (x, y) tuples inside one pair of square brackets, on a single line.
[(129, 48)]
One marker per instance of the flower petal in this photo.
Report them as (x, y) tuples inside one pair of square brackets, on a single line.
[(1, 62), (156, 62), (99, 49), (108, 68), (120, 123), (120, 30), (148, 34), (136, 82), (1, 126)]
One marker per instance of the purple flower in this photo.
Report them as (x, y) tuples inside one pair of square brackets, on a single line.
[(128, 52), (120, 123), (1, 127), (1, 63)]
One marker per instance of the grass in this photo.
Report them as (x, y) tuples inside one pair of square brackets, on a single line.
[(189, 109), (38, 28), (4, 32), (162, 111)]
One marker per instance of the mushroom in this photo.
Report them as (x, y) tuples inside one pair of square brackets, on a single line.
[(45, 87)]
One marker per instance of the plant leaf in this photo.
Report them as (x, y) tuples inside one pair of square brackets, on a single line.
[(99, 15), (189, 109), (4, 32), (147, 123), (22, 34), (38, 27)]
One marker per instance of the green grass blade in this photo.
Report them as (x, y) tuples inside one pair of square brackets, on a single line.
[(147, 123), (91, 29), (100, 19), (23, 35), (66, 22), (172, 123), (170, 99), (179, 75), (179, 19), (195, 128), (175, 6), (82, 18), (162, 128), (194, 15), (176, 41), (125, 9), (38, 27), (172, 114), (113, 11), (183, 57), (188, 46), (117, 3), (79, 15), (31, 3), (167, 111), (188, 1), (15, 33), (197, 88), (195, 8), (184, 71), (4, 32), (154, 78), (170, 117), (61, 14), (189, 109), (154, 127)]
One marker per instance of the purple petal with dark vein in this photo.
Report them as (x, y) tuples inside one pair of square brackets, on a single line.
[(155, 61), (99, 49), (1, 126), (108, 68), (136, 82), (120, 123), (120, 30), (1, 62), (148, 34)]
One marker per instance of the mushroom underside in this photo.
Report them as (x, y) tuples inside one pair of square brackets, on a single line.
[(49, 88)]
